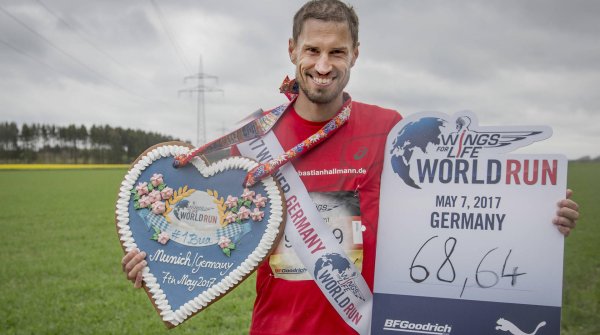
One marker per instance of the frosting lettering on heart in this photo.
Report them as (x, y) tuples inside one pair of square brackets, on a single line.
[(202, 231)]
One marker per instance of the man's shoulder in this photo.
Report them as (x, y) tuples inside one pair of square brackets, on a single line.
[(364, 110)]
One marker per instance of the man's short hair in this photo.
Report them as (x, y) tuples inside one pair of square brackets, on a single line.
[(326, 10)]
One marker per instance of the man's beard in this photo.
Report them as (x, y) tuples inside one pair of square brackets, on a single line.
[(319, 96), (322, 96)]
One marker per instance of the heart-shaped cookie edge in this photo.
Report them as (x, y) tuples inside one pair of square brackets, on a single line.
[(267, 244)]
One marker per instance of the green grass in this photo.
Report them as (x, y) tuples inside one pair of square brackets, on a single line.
[(60, 267), (60, 261), (581, 293)]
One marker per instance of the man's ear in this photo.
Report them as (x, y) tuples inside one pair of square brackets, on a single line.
[(355, 53), (291, 50)]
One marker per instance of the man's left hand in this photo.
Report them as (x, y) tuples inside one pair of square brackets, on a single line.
[(567, 214)]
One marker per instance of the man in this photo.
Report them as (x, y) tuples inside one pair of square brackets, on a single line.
[(324, 47)]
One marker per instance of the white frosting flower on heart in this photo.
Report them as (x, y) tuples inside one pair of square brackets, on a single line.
[(144, 202), (163, 237), (158, 207), (231, 217), (244, 213), (248, 195), (260, 201), (166, 193), (156, 179), (224, 242), (154, 196), (142, 188), (257, 215), (231, 201)]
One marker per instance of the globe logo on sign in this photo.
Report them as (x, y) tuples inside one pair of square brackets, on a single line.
[(415, 135)]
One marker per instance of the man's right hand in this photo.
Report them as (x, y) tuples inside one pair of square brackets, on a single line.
[(133, 263)]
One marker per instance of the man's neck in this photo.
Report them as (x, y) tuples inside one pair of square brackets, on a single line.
[(314, 112)]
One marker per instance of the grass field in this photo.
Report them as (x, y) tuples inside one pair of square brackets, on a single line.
[(62, 166), (60, 261)]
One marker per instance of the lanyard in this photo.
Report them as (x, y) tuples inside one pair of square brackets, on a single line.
[(259, 127), (267, 169)]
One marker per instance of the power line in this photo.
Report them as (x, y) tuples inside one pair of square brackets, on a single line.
[(73, 58), (172, 39), (85, 37), (81, 35), (22, 52)]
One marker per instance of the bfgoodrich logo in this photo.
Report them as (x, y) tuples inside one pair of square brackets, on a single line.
[(415, 327)]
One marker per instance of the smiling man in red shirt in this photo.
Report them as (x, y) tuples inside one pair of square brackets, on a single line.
[(342, 174)]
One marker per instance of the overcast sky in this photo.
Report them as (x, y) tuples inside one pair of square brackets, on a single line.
[(123, 63)]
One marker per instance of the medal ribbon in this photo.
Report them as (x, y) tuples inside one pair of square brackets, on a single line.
[(270, 167), (253, 129), (261, 126)]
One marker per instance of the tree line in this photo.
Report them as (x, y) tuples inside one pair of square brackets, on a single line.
[(73, 144)]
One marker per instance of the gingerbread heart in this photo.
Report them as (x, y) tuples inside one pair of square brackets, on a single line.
[(202, 231)]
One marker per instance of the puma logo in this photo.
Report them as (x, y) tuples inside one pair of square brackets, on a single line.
[(508, 326)]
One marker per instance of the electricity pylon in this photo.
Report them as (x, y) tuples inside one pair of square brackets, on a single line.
[(200, 89)]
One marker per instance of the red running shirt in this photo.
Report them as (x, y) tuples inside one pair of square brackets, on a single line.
[(350, 162)]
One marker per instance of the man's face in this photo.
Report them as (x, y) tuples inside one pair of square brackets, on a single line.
[(323, 55)]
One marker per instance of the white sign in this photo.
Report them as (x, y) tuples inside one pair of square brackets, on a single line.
[(465, 238)]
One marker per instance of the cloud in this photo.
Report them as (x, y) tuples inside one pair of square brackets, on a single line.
[(511, 62)]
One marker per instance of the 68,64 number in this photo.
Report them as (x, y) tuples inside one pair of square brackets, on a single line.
[(447, 273)]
